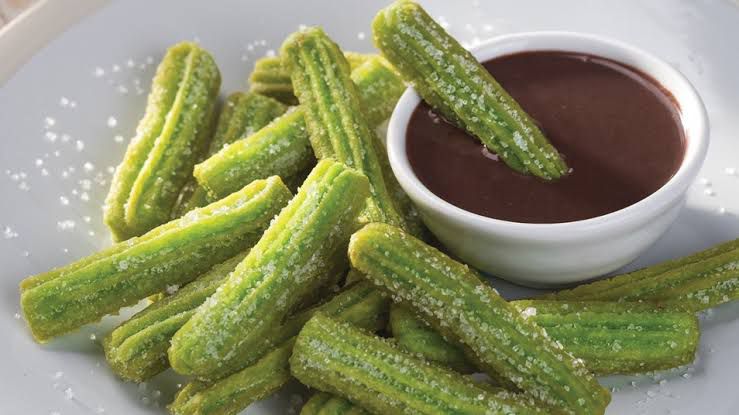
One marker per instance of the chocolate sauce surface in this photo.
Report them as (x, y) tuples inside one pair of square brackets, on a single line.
[(618, 130)]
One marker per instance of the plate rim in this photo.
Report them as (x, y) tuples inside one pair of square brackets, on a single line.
[(37, 26)]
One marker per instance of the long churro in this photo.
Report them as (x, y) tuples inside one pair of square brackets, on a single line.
[(343, 360), (461, 306), (62, 300)]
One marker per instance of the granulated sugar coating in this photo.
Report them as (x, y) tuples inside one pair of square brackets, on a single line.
[(170, 138), (9, 233), (241, 115), (174, 253), (338, 358), (321, 79), (294, 257), (452, 81), (137, 349), (462, 307), (360, 305), (693, 283), (611, 338), (282, 148)]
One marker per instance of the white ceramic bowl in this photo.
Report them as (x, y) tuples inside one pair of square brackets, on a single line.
[(547, 255)]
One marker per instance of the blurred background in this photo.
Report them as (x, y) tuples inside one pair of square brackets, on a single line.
[(11, 8)]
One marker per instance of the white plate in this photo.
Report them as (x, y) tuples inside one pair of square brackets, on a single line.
[(47, 219)]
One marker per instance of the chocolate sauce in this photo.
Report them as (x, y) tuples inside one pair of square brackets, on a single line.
[(617, 128)]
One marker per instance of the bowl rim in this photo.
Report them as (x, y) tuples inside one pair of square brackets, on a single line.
[(690, 105)]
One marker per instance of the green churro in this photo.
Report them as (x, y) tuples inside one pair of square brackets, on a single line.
[(462, 307), (271, 79), (170, 138), (242, 115), (418, 338), (617, 338), (283, 148), (376, 77), (137, 349), (175, 253), (449, 78), (379, 86), (231, 395), (610, 338), (372, 372), (326, 404), (291, 259), (333, 114), (359, 304), (692, 283)]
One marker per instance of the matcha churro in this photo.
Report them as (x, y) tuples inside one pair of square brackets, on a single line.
[(418, 338), (693, 283), (175, 253), (137, 349), (460, 305), (617, 338), (341, 359), (242, 115), (303, 243), (379, 87), (377, 77), (611, 338), (452, 81), (359, 304), (283, 148), (169, 139), (333, 114), (271, 79), (326, 404), (150, 337), (231, 395)]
